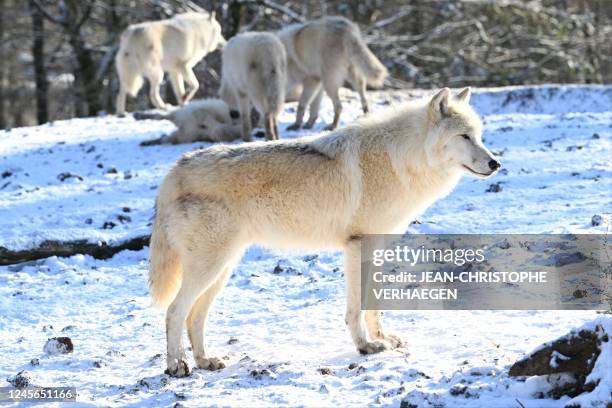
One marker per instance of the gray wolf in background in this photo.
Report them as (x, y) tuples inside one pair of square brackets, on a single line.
[(175, 46), (205, 120), (253, 71), (327, 52), (371, 177)]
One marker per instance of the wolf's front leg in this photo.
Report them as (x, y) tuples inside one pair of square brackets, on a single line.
[(355, 317), (376, 331)]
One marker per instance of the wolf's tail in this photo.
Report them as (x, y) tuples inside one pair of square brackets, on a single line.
[(165, 269), (365, 60)]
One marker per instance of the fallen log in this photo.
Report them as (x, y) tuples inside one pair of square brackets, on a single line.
[(69, 248)]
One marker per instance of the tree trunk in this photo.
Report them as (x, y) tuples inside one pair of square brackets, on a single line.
[(237, 15), (113, 31), (40, 72), (90, 89), (3, 56), (76, 13)]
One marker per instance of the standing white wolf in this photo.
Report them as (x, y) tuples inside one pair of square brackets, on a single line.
[(253, 71), (372, 177), (328, 51), (204, 120), (176, 45)]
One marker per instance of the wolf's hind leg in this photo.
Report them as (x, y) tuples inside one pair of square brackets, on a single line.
[(245, 115), (359, 83), (355, 318), (376, 331), (155, 78), (314, 109), (175, 321), (199, 274), (192, 82), (271, 126), (208, 239), (332, 84), (310, 88), (120, 102), (176, 79), (196, 324)]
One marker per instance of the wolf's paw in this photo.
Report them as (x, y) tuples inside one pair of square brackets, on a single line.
[(308, 125), (393, 340), (330, 127), (180, 369), (295, 126), (374, 346), (211, 363)]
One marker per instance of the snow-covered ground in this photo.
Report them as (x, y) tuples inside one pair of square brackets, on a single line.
[(90, 179)]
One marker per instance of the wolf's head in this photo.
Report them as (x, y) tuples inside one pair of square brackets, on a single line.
[(217, 39), (454, 137)]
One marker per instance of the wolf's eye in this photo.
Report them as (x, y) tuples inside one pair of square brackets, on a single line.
[(466, 137), (203, 126)]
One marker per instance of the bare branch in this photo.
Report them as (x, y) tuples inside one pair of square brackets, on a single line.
[(106, 62), (281, 9), (48, 16), (390, 20), (85, 14)]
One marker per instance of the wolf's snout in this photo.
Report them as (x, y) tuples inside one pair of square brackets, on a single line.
[(494, 164)]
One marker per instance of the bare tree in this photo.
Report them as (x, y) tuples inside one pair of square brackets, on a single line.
[(38, 55), (73, 14), (3, 118), (424, 44)]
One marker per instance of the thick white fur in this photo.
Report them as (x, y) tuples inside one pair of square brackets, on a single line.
[(321, 55), (253, 72), (206, 120), (176, 45), (370, 177)]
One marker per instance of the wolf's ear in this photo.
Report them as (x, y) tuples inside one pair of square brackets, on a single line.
[(464, 95), (438, 106), (212, 15)]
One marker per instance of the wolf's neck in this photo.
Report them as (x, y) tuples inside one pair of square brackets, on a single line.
[(408, 154)]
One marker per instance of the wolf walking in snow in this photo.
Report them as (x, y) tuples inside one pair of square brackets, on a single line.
[(321, 55), (204, 120), (253, 71), (176, 45), (372, 177)]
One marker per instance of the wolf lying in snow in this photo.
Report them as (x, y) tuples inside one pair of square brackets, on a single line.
[(253, 71), (372, 177), (205, 120), (175, 46), (328, 51)]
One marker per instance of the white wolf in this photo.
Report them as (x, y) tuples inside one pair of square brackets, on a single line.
[(328, 51), (175, 46), (206, 120), (253, 71), (371, 177)]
